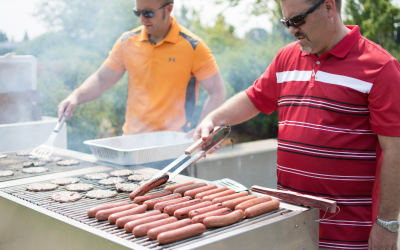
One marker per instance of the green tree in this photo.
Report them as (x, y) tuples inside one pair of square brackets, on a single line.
[(3, 36)]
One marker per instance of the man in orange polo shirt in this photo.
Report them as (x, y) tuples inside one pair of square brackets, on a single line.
[(165, 64)]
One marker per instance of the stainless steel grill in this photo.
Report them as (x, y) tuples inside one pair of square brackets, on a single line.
[(52, 221)]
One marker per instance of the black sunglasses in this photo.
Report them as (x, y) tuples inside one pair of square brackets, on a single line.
[(148, 13), (298, 20)]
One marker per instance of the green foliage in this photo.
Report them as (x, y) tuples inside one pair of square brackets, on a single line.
[(3, 36), (378, 19)]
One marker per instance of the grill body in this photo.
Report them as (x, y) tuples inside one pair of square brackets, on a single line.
[(32, 221)]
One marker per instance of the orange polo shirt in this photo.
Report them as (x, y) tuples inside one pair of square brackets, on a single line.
[(163, 77)]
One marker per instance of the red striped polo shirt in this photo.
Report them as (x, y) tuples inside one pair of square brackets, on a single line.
[(331, 109)]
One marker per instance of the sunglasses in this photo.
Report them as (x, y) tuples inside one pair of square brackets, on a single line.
[(298, 20), (148, 13)]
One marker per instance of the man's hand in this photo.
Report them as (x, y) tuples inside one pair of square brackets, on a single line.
[(382, 239), (203, 131), (67, 106)]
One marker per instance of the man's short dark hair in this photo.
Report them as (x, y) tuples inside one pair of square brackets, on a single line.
[(338, 4)]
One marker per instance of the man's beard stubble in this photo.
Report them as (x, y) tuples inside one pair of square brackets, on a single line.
[(304, 48)]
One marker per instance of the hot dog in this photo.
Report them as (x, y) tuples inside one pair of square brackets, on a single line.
[(92, 212), (103, 214), (148, 186), (120, 223), (150, 203), (161, 205), (140, 199), (210, 192), (243, 206), (182, 190), (184, 212), (132, 224), (204, 210), (233, 203), (221, 194), (181, 233), (223, 220), (137, 210), (192, 193), (261, 208), (173, 187), (153, 233), (170, 210), (229, 197), (142, 230), (201, 217)]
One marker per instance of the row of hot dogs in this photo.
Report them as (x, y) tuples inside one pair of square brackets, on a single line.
[(193, 207)]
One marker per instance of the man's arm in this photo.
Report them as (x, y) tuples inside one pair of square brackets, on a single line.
[(389, 202), (216, 94), (103, 79), (236, 110)]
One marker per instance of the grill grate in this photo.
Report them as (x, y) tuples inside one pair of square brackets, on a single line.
[(12, 160), (77, 211)]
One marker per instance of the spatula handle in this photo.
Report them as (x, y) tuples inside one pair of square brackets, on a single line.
[(60, 124)]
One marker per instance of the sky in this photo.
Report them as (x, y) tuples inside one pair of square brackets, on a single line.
[(16, 16)]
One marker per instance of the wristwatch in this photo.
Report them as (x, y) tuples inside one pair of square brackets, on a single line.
[(391, 226)]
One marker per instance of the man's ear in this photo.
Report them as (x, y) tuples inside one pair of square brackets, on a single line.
[(169, 8), (330, 7)]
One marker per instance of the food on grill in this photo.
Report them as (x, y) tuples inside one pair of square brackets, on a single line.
[(135, 210), (14, 167), (68, 163), (66, 196), (111, 181), (79, 187), (148, 186), (101, 194), (56, 159), (223, 220), (161, 205), (23, 153), (184, 212), (132, 224), (139, 177), (229, 197), (170, 210), (46, 160), (28, 164), (120, 223), (182, 190), (150, 203), (181, 233), (153, 233), (96, 176), (173, 187), (92, 212), (141, 199), (141, 230), (243, 206), (35, 170), (261, 208), (8, 161), (104, 214), (192, 193), (204, 210), (233, 203), (33, 157), (200, 218), (65, 181), (6, 173), (126, 187), (3, 156), (221, 194), (39, 163), (37, 187), (210, 192), (121, 172)]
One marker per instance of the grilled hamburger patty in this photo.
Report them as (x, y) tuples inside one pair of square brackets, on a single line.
[(37, 187), (121, 172), (96, 176), (6, 173), (111, 181), (139, 177), (79, 187), (101, 194), (35, 170), (65, 181), (68, 163), (66, 196), (126, 187)]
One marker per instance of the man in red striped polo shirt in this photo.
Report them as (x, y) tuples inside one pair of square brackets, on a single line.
[(338, 96)]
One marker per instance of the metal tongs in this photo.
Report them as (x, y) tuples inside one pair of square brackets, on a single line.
[(186, 159)]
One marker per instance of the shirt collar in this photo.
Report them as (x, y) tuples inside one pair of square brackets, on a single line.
[(172, 36), (346, 44)]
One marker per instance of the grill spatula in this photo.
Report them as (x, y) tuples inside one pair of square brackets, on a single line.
[(46, 149)]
